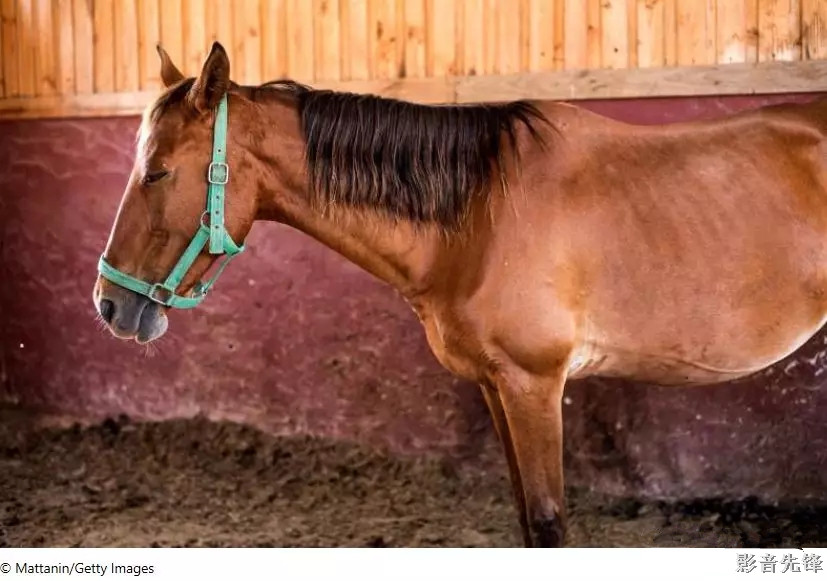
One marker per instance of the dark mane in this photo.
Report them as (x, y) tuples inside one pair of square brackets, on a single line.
[(415, 162), (421, 163)]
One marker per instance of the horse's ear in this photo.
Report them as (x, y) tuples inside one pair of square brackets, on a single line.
[(213, 82), (169, 72)]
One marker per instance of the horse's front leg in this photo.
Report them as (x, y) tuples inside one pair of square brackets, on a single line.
[(495, 406), (531, 408)]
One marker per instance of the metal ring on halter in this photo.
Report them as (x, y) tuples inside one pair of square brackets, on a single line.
[(153, 292)]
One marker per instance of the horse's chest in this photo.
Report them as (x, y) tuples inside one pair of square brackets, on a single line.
[(454, 349)]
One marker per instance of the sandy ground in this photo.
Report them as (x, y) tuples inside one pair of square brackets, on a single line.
[(201, 483)]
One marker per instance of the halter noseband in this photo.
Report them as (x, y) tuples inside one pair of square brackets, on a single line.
[(220, 241)]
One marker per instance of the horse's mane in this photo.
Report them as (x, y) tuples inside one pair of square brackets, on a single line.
[(422, 163)]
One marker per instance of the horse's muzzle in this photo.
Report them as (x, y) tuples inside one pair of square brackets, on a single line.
[(129, 315)]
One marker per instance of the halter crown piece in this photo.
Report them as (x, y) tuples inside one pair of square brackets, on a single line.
[(220, 241)]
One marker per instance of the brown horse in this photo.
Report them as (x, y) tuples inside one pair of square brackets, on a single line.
[(535, 241)]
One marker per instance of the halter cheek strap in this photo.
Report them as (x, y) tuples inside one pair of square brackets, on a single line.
[(211, 233)]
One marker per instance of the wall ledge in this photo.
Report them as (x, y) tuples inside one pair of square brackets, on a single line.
[(732, 79)]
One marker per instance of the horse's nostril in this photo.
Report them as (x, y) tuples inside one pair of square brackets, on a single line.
[(107, 309)]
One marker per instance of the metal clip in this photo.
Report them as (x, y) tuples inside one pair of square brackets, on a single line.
[(218, 173)]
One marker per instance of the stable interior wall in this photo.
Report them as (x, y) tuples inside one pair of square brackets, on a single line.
[(94, 57)]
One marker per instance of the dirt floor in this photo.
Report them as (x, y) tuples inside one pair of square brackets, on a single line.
[(200, 483)]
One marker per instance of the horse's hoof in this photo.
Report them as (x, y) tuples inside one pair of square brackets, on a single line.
[(548, 532)]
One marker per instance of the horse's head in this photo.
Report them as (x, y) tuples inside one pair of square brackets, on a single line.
[(174, 222)]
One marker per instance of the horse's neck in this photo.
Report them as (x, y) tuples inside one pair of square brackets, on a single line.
[(397, 253), (394, 253)]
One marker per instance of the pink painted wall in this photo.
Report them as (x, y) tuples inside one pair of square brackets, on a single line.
[(296, 340)]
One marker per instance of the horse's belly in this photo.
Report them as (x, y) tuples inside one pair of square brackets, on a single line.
[(693, 362), (661, 369)]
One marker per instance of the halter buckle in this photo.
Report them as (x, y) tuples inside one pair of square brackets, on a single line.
[(218, 173)]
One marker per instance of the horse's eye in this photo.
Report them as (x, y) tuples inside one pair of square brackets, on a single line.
[(154, 176)]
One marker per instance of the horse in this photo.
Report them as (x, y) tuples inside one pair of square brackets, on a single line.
[(536, 241)]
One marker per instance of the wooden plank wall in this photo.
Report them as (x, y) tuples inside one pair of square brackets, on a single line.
[(58, 55)]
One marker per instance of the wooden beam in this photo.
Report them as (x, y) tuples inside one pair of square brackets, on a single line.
[(433, 90), (120, 104), (89, 105), (736, 79)]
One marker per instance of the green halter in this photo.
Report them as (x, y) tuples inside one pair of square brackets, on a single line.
[(220, 241)]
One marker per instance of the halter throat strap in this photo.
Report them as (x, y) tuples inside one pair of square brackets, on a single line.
[(211, 233)]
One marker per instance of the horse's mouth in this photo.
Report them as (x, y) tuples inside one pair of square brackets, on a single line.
[(130, 316), (152, 325)]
